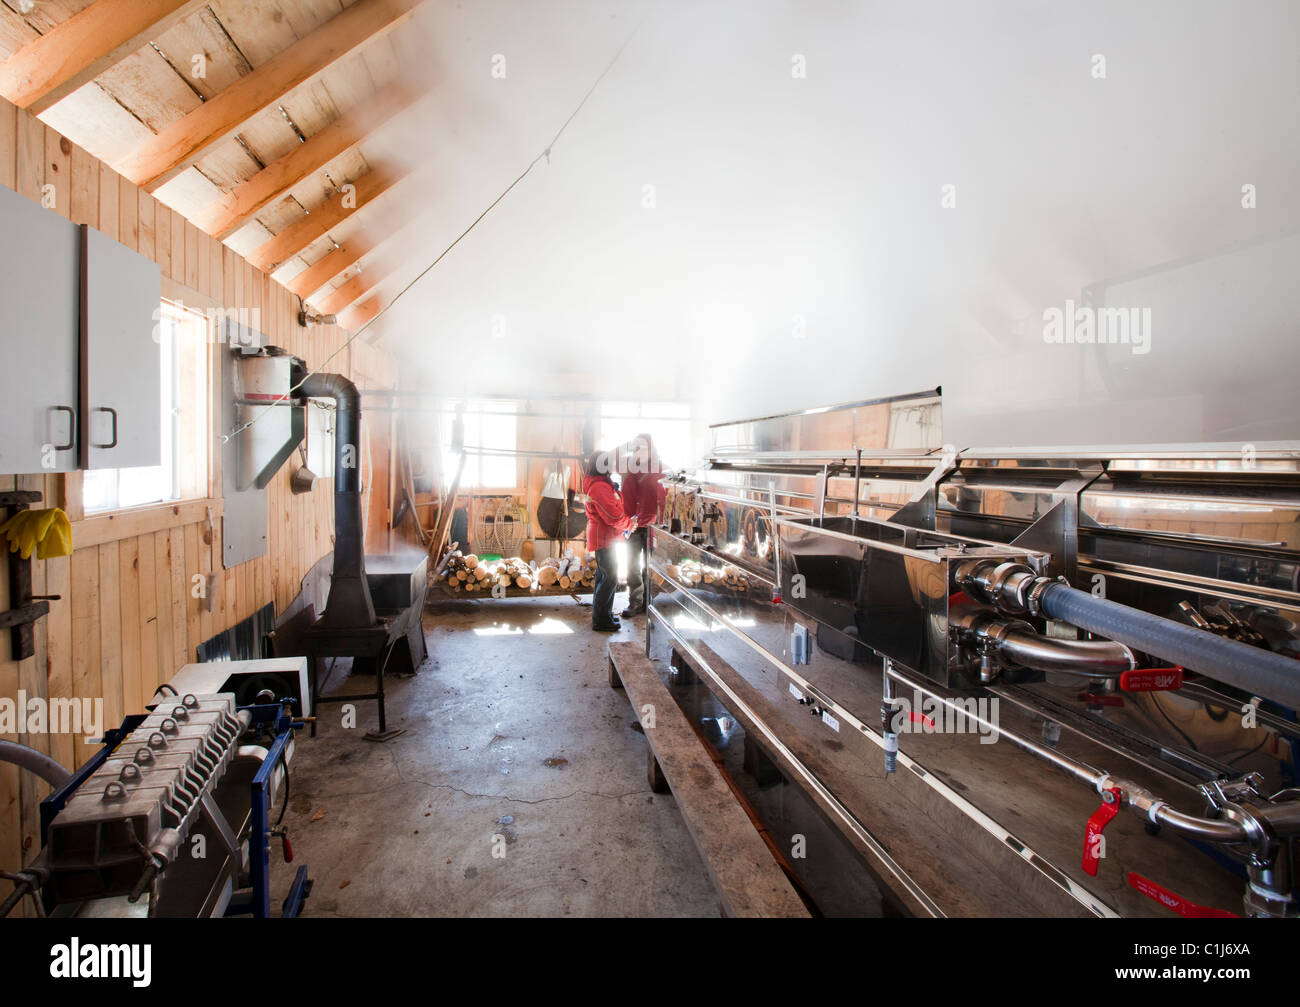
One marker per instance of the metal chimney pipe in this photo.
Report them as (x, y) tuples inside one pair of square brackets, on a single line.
[(349, 604)]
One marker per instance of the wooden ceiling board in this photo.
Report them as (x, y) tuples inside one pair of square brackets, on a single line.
[(81, 48), (99, 123), (258, 30), (150, 89), (312, 191), (48, 14), (190, 137), (202, 35), (321, 153), (187, 189), (15, 32)]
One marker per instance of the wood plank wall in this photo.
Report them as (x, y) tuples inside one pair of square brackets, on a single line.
[(127, 619)]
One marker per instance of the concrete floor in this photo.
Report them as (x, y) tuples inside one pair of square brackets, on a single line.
[(514, 744)]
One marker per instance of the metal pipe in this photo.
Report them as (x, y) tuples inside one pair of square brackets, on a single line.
[(1045, 653), (857, 482), (1208, 830), (1139, 799), (1024, 647), (349, 604), (1072, 767), (1014, 587), (35, 762)]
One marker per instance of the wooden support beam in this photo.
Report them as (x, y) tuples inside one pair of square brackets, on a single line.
[(320, 273), (78, 50), (293, 239), (313, 279), (238, 206), (365, 312), (180, 144), (349, 293)]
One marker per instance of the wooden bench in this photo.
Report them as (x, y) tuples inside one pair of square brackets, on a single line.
[(748, 880)]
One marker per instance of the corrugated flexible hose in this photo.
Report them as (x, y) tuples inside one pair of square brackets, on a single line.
[(1257, 671)]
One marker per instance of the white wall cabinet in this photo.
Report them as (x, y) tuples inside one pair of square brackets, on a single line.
[(122, 382), (39, 306), (80, 375)]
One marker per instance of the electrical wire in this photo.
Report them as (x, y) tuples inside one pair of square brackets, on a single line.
[(544, 155)]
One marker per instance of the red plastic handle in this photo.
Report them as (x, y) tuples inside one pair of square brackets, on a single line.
[(287, 849), (1177, 903), (1102, 817)]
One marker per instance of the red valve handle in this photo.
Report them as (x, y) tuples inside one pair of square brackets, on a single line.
[(1177, 903), (1092, 841), (286, 848)]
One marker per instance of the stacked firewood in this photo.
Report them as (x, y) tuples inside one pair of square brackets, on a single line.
[(466, 573), (568, 572), (692, 573)]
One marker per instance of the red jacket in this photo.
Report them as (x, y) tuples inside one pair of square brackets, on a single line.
[(606, 520), (643, 496)]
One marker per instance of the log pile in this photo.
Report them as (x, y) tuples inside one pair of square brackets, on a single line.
[(569, 572), (467, 574), (721, 577)]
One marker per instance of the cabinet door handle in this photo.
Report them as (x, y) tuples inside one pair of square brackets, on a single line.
[(72, 428), (113, 413)]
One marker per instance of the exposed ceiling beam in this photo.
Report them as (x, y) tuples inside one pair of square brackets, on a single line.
[(76, 51), (238, 206), (297, 236), (320, 273), (356, 317), (312, 280), (180, 144), (356, 288)]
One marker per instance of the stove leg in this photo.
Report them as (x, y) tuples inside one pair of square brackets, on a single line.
[(383, 734)]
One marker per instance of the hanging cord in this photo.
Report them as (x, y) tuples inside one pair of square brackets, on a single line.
[(545, 154)]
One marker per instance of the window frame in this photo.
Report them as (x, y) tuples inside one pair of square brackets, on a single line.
[(205, 494)]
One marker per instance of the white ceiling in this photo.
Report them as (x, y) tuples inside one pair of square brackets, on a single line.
[(778, 199)]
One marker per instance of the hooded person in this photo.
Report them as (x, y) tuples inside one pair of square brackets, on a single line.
[(643, 499), (607, 520)]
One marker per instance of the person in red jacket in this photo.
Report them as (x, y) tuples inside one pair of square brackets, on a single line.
[(607, 520), (643, 498)]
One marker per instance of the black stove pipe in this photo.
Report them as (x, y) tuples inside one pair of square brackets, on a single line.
[(349, 605)]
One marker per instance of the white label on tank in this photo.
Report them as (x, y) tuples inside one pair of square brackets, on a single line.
[(830, 721), (796, 693)]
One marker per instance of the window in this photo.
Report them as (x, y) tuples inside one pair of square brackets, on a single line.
[(667, 423), (183, 474), (489, 440), (320, 437)]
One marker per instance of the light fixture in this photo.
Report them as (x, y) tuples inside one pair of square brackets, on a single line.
[(306, 318)]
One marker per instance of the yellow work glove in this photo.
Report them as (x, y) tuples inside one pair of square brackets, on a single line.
[(47, 529), (21, 533), (57, 540)]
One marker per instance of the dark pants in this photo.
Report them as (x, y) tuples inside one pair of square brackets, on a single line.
[(602, 597), (636, 573)]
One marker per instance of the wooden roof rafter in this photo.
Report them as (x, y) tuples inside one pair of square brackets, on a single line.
[(361, 314), (178, 145), (78, 50), (342, 297), (295, 238), (320, 273), (241, 204)]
